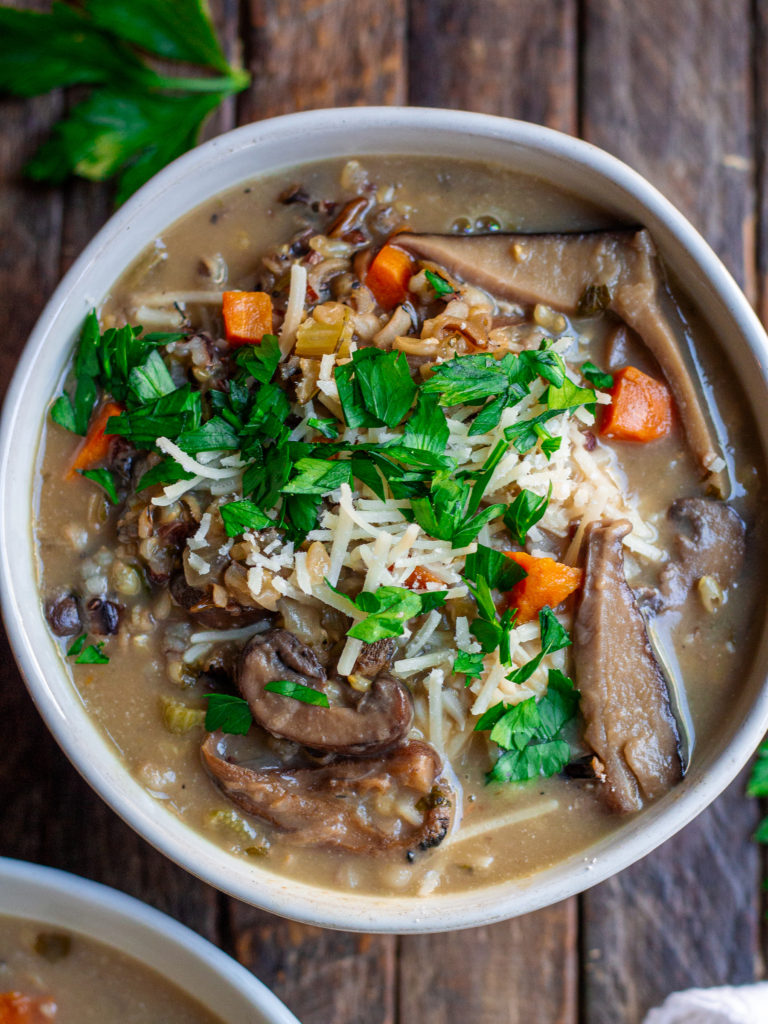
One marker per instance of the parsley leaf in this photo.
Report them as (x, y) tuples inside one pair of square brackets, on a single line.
[(524, 512), (470, 665), (427, 429), (375, 388), (529, 732), (317, 476), (167, 471), (228, 713), (297, 691), (239, 516), (438, 284), (104, 479), (554, 637), (568, 395), (445, 513), (90, 655), (327, 427), (134, 120), (260, 361), (602, 381), (151, 380), (387, 610), (499, 571)]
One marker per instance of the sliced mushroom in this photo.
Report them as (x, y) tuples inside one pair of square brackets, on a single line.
[(624, 698), (340, 804), (198, 602), (373, 658), (354, 723), (710, 542), (558, 269)]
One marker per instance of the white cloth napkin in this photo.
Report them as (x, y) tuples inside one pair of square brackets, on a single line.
[(747, 1004)]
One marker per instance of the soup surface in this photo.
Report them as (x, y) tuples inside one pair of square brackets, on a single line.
[(438, 573), (52, 975)]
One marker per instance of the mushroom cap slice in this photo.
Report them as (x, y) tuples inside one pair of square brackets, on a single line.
[(557, 269), (624, 697), (709, 542), (355, 723), (336, 804)]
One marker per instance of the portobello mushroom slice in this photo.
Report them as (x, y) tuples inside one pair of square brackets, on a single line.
[(560, 270), (355, 722), (624, 698), (338, 804), (709, 542)]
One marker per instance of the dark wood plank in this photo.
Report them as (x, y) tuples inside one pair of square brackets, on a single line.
[(324, 977), (518, 59), (508, 57), (760, 94), (322, 53), (517, 972), (668, 89)]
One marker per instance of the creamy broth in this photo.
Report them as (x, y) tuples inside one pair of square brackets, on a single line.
[(500, 831), (69, 979)]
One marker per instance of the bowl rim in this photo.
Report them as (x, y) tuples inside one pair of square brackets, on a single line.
[(125, 924), (288, 898)]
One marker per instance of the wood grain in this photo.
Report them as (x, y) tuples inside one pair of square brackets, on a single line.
[(517, 972), (306, 54), (668, 89), (508, 57)]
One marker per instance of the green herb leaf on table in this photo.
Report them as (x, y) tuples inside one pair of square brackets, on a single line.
[(242, 515), (228, 713), (298, 691), (135, 120)]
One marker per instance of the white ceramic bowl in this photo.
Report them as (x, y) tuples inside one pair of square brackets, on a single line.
[(220, 984), (232, 158)]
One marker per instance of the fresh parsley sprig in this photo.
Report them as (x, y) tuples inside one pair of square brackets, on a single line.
[(387, 610), (529, 734), (135, 119)]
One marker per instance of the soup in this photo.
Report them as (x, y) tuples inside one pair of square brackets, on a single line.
[(408, 528), (52, 975)]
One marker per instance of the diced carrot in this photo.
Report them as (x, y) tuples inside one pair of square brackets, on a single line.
[(641, 409), (548, 583), (388, 276), (95, 446), (16, 1008), (420, 577), (247, 317)]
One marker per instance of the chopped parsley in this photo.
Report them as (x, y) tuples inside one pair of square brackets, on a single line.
[(529, 734), (104, 479), (602, 381), (524, 512), (297, 691), (228, 713), (239, 516), (375, 388), (387, 610), (470, 664), (90, 655), (439, 285)]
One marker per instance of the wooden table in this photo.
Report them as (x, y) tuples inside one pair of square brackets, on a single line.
[(678, 90)]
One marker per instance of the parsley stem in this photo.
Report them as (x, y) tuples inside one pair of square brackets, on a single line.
[(233, 82)]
